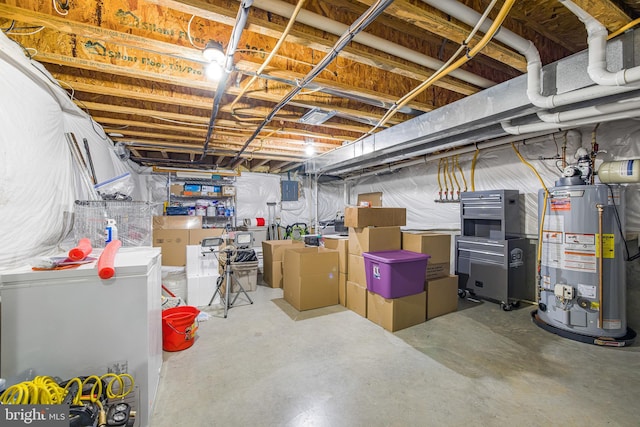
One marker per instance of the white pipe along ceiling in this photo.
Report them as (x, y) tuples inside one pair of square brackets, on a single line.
[(336, 28), (513, 107)]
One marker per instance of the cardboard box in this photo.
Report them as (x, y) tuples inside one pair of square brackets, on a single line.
[(272, 273), (273, 250), (176, 189), (435, 271), (357, 298), (193, 187), (341, 244), (342, 289), (398, 313), (442, 296), (311, 277), (375, 216), (173, 245), (374, 199), (228, 190), (372, 239), (357, 272), (436, 245), (196, 236), (182, 222)]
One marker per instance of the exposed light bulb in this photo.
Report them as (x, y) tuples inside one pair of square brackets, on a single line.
[(213, 52), (213, 71), (309, 150)]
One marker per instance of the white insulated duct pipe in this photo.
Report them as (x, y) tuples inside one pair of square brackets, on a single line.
[(325, 24), (597, 42), (542, 126), (534, 63), (595, 110)]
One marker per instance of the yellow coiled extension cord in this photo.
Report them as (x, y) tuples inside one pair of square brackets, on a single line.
[(44, 390)]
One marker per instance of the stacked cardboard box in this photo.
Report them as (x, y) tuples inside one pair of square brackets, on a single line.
[(273, 258), (366, 239), (441, 286), (340, 244), (172, 234), (311, 276)]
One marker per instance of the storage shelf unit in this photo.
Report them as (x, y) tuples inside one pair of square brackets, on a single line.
[(490, 254), (219, 192)]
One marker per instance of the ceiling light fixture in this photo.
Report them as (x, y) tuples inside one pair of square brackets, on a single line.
[(213, 71), (213, 52), (317, 116), (309, 149)]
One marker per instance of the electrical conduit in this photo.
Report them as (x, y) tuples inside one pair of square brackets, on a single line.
[(360, 24), (273, 53)]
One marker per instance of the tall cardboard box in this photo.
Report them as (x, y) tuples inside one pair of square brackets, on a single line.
[(173, 245), (357, 298), (442, 296), (311, 277), (342, 289), (341, 244), (373, 239), (272, 257), (375, 216), (177, 222), (398, 313), (357, 273), (437, 245)]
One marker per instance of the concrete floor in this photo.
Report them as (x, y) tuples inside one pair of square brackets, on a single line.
[(269, 365)]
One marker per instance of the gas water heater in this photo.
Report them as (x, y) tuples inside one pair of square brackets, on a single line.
[(581, 290)]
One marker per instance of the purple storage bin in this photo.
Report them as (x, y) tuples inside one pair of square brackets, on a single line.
[(395, 274)]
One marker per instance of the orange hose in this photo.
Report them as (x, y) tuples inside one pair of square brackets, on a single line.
[(81, 251), (106, 268)]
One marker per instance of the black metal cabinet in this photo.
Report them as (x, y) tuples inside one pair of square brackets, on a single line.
[(491, 254)]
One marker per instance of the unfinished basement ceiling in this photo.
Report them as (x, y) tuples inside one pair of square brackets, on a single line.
[(137, 68)]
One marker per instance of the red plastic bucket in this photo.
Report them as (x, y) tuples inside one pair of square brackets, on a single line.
[(179, 326)]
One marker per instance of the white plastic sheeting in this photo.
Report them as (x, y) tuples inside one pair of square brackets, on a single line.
[(40, 179)]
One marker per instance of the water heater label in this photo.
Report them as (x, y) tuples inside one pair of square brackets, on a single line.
[(608, 246), (586, 291), (561, 204)]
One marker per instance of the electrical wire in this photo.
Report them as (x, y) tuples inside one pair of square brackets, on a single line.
[(64, 6), (445, 173), (189, 34), (20, 33), (617, 216), (266, 62)]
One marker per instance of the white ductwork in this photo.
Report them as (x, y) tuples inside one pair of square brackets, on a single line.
[(597, 41), (534, 63), (593, 111), (325, 24), (543, 126)]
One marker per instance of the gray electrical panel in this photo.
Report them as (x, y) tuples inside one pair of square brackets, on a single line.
[(289, 191), (491, 255)]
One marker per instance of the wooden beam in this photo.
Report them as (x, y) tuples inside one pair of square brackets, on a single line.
[(210, 9), (437, 23)]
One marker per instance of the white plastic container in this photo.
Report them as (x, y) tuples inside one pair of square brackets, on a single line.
[(201, 207)]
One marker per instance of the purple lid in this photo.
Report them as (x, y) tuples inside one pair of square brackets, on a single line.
[(392, 257)]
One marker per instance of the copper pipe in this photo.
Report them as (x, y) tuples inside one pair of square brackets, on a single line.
[(600, 266)]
